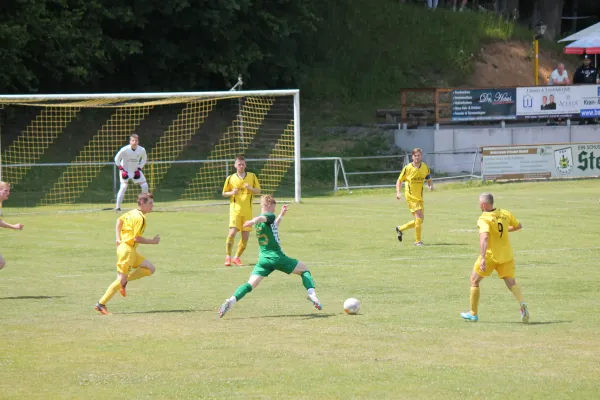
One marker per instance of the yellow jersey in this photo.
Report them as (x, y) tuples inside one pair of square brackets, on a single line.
[(415, 179), (134, 224), (241, 203), (496, 223)]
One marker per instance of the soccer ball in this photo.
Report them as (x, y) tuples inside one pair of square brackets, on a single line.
[(351, 306)]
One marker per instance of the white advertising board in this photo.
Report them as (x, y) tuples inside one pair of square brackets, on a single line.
[(572, 160), (549, 101)]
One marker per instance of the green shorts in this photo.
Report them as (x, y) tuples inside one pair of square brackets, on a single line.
[(283, 263)]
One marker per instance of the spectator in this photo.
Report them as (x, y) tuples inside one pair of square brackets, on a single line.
[(559, 76), (432, 4), (462, 5), (586, 74)]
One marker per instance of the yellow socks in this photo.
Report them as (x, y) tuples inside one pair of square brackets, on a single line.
[(228, 245), (516, 291), (139, 273), (474, 299), (408, 225), (110, 292), (241, 247), (418, 228)]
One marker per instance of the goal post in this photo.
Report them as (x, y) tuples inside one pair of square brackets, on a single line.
[(57, 151)]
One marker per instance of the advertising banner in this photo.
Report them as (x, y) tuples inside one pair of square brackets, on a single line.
[(590, 107), (550, 101), (573, 160), (484, 104)]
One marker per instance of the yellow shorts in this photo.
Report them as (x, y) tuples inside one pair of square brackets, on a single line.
[(237, 221), (415, 206), (128, 258), (504, 270)]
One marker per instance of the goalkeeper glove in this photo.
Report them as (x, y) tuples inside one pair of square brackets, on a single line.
[(137, 173), (124, 174)]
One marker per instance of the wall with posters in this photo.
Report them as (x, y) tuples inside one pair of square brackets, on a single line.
[(459, 144), (571, 160)]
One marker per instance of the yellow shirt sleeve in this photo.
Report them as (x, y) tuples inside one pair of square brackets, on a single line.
[(227, 186), (402, 176), (484, 227), (513, 221), (256, 183)]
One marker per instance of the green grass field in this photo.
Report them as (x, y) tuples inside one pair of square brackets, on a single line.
[(164, 339)]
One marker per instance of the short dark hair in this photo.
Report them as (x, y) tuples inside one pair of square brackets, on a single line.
[(143, 198), (240, 157), (134, 135)]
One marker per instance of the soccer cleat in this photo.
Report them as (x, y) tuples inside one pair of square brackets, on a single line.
[(122, 290), (419, 244), (101, 308), (312, 298), (524, 313), (224, 308), (228, 261), (469, 317), (237, 261), (117, 209), (399, 232)]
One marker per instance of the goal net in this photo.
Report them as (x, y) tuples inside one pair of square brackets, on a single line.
[(58, 150)]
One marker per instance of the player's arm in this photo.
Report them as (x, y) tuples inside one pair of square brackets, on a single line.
[(255, 188), (228, 191), (428, 179), (514, 224), (143, 159), (401, 179), (284, 209), (255, 220), (118, 230), (16, 227), (143, 240), (483, 246)]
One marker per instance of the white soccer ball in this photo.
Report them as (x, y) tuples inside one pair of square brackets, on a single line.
[(351, 306)]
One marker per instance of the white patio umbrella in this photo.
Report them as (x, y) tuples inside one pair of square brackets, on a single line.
[(587, 45), (590, 30)]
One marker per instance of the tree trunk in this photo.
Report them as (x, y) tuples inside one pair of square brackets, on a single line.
[(507, 8), (549, 12)]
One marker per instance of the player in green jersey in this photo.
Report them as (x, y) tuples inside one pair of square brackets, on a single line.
[(271, 256)]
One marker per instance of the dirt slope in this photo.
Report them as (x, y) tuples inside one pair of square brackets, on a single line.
[(510, 63)]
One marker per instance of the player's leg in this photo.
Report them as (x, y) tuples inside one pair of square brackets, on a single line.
[(142, 269), (110, 292), (258, 273), (142, 182), (307, 280), (234, 226), (126, 257), (419, 217), (476, 276), (242, 244), (506, 271), (121, 193), (409, 225), (2, 262)]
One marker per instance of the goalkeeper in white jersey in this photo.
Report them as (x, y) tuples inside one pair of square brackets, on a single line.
[(130, 160)]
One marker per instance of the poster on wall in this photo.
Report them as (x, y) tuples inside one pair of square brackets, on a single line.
[(549, 101), (572, 160), (484, 104)]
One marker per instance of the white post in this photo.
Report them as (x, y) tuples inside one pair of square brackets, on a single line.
[(335, 175), (297, 176)]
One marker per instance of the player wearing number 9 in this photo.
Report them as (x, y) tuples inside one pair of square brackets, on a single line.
[(496, 254)]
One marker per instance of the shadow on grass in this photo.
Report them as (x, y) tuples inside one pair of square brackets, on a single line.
[(161, 311), (446, 244), (302, 316), (31, 297), (531, 323)]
